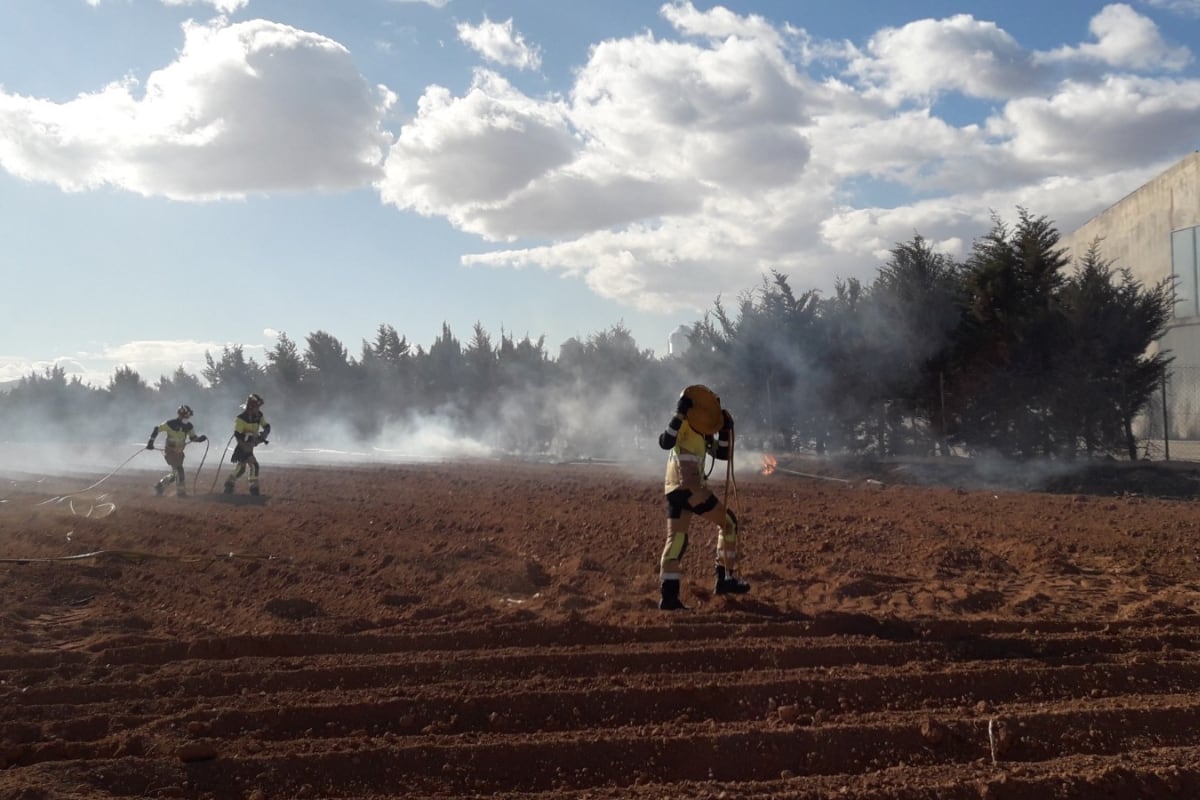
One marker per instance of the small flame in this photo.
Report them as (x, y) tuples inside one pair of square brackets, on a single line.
[(769, 464)]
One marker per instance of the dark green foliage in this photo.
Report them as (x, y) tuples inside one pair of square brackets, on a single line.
[(1015, 351), (920, 299), (1109, 372), (233, 375), (1012, 341)]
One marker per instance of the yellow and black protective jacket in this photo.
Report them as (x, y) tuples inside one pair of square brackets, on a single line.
[(250, 428), (685, 464), (179, 433)]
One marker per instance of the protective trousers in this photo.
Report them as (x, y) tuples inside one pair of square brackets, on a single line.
[(174, 458), (682, 505), (248, 467)]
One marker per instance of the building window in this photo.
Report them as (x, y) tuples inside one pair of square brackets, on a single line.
[(1183, 271)]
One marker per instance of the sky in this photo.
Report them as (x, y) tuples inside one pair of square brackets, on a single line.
[(181, 176)]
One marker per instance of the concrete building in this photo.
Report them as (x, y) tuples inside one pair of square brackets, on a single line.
[(1155, 233)]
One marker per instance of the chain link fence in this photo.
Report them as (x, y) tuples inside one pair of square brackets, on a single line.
[(1169, 429)]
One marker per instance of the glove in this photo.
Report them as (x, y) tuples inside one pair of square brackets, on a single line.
[(683, 406), (202, 438), (150, 444), (727, 420)]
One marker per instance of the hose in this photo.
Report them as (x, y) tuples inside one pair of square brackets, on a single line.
[(213, 488), (730, 480), (106, 507), (731, 495), (196, 477), (62, 497), (136, 555)]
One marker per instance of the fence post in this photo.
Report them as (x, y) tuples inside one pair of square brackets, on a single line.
[(1166, 428), (942, 402)]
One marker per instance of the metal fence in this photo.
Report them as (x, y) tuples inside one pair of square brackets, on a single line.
[(1169, 429)]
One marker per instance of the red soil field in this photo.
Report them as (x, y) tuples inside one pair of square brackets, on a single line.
[(490, 629)]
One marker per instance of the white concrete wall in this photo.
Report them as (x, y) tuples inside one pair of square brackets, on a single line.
[(1136, 233)]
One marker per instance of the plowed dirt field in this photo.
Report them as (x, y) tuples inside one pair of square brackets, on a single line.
[(490, 629)]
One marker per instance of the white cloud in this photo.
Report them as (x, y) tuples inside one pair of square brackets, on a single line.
[(150, 359), (720, 23), (460, 155), (246, 108), (906, 146), (1186, 7), (1089, 129), (501, 43), (953, 221), (755, 163), (1125, 39), (675, 169), (224, 6), (928, 57), (13, 369)]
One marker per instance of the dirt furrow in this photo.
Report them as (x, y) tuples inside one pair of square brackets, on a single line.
[(470, 630), (667, 754)]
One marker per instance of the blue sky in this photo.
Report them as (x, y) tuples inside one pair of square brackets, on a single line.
[(181, 175)]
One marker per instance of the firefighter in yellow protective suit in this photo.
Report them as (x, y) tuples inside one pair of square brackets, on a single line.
[(250, 429), (699, 428), (179, 432)]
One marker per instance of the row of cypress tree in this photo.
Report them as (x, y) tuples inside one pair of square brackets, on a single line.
[(1016, 350)]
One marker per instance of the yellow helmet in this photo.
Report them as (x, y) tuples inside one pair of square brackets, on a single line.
[(705, 414)]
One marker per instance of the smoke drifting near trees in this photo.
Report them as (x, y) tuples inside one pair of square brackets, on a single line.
[(1015, 352)]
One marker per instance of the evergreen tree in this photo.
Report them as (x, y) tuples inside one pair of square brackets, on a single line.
[(233, 377), (1111, 369), (918, 298), (181, 385), (1011, 343)]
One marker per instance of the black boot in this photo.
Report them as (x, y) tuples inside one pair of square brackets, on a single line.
[(729, 585), (254, 489), (228, 487), (670, 596), (158, 488)]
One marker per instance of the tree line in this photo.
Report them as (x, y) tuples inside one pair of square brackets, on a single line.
[(1016, 350)]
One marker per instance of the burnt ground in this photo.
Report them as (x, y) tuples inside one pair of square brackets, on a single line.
[(489, 629)]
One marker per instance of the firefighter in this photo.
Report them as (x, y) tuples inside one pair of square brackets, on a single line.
[(179, 432), (250, 429), (700, 427)]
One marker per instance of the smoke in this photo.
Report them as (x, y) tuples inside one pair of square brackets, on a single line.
[(416, 438)]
